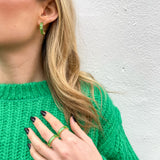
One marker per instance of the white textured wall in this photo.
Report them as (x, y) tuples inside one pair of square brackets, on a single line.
[(119, 43)]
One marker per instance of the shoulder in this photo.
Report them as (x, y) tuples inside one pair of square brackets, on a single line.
[(99, 91), (105, 104)]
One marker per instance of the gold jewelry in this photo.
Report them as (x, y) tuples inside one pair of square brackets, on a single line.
[(41, 29), (51, 139), (56, 135), (60, 130)]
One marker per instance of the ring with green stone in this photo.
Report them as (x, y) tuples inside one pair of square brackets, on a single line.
[(51, 139), (60, 130)]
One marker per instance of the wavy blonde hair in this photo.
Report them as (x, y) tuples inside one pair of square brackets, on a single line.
[(61, 65)]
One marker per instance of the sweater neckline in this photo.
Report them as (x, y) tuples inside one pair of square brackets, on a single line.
[(20, 91)]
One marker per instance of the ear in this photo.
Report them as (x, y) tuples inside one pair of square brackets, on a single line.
[(48, 12)]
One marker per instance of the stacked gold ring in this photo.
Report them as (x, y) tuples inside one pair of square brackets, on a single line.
[(60, 130), (51, 139), (56, 135)]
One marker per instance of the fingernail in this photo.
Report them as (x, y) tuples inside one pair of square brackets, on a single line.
[(32, 119), (29, 145), (43, 113), (73, 117), (26, 130)]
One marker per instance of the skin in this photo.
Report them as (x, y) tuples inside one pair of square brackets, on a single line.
[(78, 146), (20, 62), (20, 40)]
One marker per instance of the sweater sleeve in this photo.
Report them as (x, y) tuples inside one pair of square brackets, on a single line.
[(113, 143)]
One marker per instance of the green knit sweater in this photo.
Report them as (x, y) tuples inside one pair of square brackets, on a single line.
[(20, 101)]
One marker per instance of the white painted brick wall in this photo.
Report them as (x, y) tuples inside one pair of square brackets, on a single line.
[(119, 43)]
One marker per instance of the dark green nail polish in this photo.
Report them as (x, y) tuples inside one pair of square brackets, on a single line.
[(29, 145), (73, 117), (26, 130), (43, 113), (32, 119)]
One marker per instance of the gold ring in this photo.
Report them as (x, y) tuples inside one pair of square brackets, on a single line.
[(51, 139), (60, 130)]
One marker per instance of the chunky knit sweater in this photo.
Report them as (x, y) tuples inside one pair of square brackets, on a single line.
[(18, 102)]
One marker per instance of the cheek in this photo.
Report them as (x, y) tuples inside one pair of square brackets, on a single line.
[(17, 17), (16, 9)]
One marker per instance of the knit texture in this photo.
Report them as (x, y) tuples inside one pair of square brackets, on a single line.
[(18, 102)]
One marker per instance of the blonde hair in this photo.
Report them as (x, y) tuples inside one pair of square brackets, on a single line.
[(62, 68)]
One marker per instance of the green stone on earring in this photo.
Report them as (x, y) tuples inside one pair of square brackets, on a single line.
[(41, 28)]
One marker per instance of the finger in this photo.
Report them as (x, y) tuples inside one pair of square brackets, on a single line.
[(79, 132), (40, 147), (56, 125), (46, 133), (35, 154)]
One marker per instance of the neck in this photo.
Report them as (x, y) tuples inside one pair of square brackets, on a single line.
[(21, 64)]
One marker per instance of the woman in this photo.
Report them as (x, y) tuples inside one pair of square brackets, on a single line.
[(66, 113)]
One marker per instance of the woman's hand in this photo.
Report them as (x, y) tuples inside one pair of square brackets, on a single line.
[(71, 146)]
